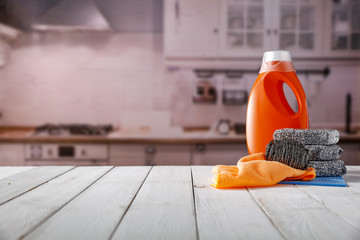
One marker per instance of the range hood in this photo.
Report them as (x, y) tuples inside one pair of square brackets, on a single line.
[(73, 15), (8, 33)]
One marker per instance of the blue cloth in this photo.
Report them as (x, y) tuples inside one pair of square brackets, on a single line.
[(320, 181)]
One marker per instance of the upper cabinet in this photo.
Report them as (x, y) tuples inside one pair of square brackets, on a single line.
[(246, 28), (191, 28), (250, 27), (243, 28), (298, 27), (342, 18)]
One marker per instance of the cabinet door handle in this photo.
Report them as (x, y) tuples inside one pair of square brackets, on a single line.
[(83, 152), (177, 9), (268, 32), (150, 149), (216, 30), (275, 31), (148, 162), (200, 147)]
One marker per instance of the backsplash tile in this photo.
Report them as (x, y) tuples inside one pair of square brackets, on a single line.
[(90, 78)]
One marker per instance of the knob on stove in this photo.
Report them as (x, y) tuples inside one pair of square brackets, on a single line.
[(35, 151), (150, 149), (83, 152), (50, 152)]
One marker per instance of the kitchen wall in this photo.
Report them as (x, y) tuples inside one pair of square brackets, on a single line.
[(87, 77)]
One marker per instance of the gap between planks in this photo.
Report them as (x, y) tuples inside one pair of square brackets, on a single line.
[(132, 200), (163, 207), (95, 213), (50, 215), (290, 207), (267, 215), (228, 213), (347, 217), (194, 203), (6, 172), (16, 195), (23, 213), (323, 203), (347, 208)]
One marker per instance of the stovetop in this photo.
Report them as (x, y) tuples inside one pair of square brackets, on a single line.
[(73, 129)]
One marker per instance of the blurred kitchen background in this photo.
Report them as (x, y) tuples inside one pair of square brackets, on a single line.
[(164, 82)]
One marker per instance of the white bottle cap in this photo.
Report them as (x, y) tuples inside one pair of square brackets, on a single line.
[(279, 61), (279, 55)]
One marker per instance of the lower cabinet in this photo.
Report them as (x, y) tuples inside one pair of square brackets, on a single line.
[(11, 154), (149, 154), (41, 162), (66, 154), (214, 154), (351, 153)]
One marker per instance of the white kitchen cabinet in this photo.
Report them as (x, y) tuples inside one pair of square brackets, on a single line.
[(127, 154), (65, 154), (342, 28), (191, 28), (215, 154), (239, 29), (351, 153), (11, 154), (297, 26), (171, 155), (250, 27), (151, 154), (243, 28)]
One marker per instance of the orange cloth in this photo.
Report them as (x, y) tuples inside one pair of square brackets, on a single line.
[(255, 171)]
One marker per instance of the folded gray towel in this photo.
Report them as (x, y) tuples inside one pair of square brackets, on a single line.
[(308, 136), (291, 153), (328, 168), (322, 152)]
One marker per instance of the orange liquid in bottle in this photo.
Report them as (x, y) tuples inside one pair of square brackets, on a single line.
[(268, 109)]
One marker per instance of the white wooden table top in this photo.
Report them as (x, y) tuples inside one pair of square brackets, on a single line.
[(168, 203)]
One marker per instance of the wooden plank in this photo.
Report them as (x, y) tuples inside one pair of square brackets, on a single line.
[(163, 208), (230, 213), (352, 177), (95, 213), (343, 201), (24, 213), (15, 185), (299, 216), (9, 171)]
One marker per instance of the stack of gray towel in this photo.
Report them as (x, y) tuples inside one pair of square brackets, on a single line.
[(302, 148)]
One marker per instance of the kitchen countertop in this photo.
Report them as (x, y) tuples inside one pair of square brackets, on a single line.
[(165, 202), (25, 135), (175, 137)]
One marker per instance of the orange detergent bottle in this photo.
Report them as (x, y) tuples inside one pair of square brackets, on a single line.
[(268, 109)]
